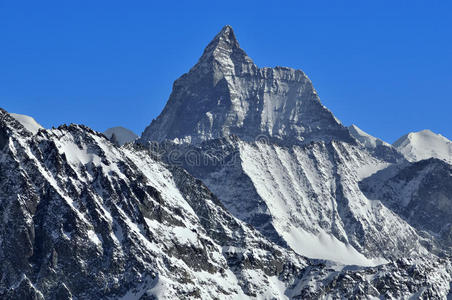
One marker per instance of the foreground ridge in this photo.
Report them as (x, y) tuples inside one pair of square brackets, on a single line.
[(83, 218)]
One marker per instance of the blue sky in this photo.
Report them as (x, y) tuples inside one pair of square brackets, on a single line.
[(383, 65)]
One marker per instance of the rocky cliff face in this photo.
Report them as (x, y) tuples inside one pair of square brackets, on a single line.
[(225, 93)]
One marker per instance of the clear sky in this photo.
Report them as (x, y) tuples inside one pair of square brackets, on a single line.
[(383, 65)]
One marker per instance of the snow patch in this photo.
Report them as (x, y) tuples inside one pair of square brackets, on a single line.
[(370, 169), (184, 235), (94, 237), (326, 246)]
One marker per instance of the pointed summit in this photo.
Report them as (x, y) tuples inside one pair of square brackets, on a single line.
[(224, 40), (226, 36), (225, 55), (225, 94)]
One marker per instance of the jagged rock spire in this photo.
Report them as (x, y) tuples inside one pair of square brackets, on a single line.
[(224, 40), (223, 56), (226, 93)]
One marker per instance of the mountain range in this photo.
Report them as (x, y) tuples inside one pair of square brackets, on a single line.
[(245, 186)]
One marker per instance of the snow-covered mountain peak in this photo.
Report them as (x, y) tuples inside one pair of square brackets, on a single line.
[(424, 144), (223, 56), (28, 122)]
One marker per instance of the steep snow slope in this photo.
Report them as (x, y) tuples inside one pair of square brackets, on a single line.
[(307, 197), (315, 203), (28, 122), (378, 148), (424, 144), (120, 135)]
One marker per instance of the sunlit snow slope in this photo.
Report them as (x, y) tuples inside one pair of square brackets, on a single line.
[(424, 144)]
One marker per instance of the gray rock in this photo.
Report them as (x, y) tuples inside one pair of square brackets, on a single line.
[(225, 93)]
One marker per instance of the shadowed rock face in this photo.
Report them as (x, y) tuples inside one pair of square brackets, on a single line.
[(3, 138), (226, 93), (420, 192)]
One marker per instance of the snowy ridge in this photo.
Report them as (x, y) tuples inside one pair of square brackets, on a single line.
[(420, 192), (131, 221), (277, 159), (310, 192), (298, 181), (366, 139)]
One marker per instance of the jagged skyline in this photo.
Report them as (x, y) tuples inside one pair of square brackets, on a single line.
[(118, 67)]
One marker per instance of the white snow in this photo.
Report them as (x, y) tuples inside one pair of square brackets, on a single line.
[(94, 237), (326, 246), (160, 178), (123, 135), (51, 180), (75, 155), (185, 236), (28, 122), (298, 187), (370, 169), (424, 144)]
